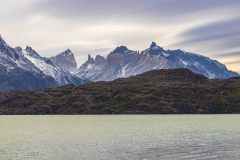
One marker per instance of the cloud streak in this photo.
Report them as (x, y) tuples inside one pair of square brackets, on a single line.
[(233, 62), (96, 8), (213, 31), (227, 54)]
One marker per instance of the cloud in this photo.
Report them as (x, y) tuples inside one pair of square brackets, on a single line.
[(124, 10), (218, 39), (212, 31), (234, 65), (233, 62), (228, 54), (50, 26)]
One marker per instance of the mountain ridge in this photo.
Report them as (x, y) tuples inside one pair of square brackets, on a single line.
[(25, 69), (123, 62)]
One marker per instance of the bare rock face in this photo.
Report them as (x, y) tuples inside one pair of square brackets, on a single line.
[(66, 60)]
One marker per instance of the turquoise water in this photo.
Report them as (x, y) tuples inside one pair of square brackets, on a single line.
[(153, 137)]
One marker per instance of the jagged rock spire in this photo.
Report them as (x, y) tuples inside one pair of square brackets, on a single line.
[(154, 44), (32, 52), (90, 59), (29, 48), (68, 51), (155, 48), (89, 56)]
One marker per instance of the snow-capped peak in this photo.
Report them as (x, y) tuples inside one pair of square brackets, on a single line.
[(3, 45), (7, 51), (154, 50), (26, 69), (154, 46), (31, 52), (18, 49), (120, 49), (50, 68), (67, 52), (2, 40)]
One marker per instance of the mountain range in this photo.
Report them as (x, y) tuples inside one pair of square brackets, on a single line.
[(25, 69), (123, 62)]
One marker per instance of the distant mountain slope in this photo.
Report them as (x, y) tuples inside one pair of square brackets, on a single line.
[(26, 70), (123, 62), (51, 69), (66, 60), (174, 91)]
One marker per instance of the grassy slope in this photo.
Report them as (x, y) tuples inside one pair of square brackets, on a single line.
[(154, 92)]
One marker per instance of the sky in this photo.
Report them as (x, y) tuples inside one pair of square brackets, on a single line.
[(207, 27)]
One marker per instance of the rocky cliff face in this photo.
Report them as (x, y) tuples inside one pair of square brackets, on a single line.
[(66, 60), (123, 62)]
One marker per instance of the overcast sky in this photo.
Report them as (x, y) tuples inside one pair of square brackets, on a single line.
[(207, 27)]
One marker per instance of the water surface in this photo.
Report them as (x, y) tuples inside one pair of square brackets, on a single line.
[(152, 137)]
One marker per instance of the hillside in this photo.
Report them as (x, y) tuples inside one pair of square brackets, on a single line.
[(178, 91)]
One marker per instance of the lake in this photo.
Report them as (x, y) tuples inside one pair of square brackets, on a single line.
[(120, 137)]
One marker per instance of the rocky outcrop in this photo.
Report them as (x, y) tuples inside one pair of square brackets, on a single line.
[(66, 60)]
